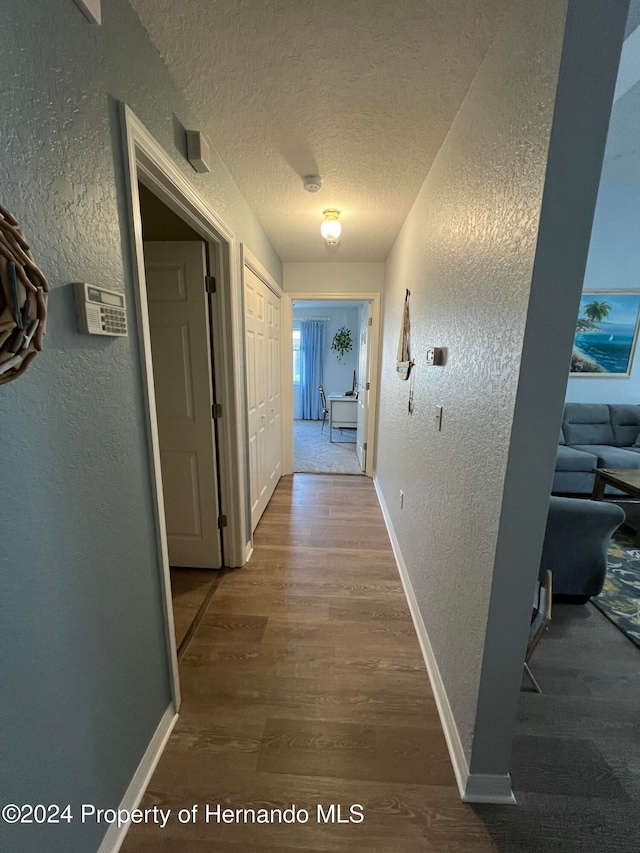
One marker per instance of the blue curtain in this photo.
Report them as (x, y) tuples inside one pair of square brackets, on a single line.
[(312, 335)]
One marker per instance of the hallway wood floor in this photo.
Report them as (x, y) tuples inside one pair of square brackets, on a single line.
[(304, 683)]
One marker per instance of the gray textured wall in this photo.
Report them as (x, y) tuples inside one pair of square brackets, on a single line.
[(84, 676), (467, 253)]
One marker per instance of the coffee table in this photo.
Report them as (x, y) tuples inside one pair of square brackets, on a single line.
[(626, 480)]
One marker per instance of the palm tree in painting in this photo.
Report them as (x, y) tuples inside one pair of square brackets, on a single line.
[(597, 311)]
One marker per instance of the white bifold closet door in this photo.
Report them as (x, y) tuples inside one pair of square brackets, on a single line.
[(262, 336)]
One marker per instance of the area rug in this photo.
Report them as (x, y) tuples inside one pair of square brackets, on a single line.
[(620, 598), (315, 454)]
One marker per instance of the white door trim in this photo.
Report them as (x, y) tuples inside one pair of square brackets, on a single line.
[(249, 260), (146, 160), (287, 371)]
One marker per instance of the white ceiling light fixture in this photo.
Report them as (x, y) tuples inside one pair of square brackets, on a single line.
[(312, 183), (331, 227)]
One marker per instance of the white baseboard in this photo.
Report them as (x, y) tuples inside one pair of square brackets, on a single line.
[(489, 788), (248, 551), (473, 787), (115, 835)]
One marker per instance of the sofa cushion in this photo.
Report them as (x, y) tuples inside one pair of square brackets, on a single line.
[(612, 457), (570, 459), (625, 422), (573, 482), (561, 439), (587, 423)]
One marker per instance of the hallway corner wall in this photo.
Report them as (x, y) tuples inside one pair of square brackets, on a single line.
[(471, 251)]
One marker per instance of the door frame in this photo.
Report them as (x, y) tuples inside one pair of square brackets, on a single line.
[(146, 161), (287, 371)]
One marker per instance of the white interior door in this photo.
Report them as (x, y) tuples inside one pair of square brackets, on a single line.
[(262, 343), (364, 383), (181, 352)]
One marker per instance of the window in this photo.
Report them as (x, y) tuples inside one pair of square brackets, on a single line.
[(296, 356)]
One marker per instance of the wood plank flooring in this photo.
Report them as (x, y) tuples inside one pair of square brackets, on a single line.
[(189, 589), (304, 683)]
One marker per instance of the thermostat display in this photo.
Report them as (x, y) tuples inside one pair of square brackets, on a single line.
[(100, 311)]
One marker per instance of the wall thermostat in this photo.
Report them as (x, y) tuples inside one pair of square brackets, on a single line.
[(100, 311), (434, 356)]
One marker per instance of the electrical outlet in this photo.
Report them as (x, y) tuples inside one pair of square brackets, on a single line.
[(401, 499)]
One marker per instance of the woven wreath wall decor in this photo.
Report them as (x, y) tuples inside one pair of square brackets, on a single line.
[(23, 301)]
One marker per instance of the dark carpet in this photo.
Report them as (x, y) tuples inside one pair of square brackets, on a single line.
[(576, 757)]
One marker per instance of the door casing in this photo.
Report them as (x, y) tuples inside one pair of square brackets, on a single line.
[(287, 371), (146, 161)]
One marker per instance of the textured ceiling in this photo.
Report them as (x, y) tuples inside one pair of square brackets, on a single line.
[(361, 92)]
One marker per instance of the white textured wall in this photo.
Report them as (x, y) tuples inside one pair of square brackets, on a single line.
[(467, 253), (333, 278)]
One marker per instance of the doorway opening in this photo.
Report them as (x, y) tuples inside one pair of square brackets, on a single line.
[(332, 363), (178, 264), (146, 163)]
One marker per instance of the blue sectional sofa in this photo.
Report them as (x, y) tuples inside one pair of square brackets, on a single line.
[(595, 436)]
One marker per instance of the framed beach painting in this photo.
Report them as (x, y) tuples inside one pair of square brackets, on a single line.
[(606, 334)]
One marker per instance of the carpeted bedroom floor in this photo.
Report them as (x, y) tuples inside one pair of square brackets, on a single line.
[(576, 756), (315, 454)]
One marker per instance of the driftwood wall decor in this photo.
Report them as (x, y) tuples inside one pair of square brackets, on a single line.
[(23, 301)]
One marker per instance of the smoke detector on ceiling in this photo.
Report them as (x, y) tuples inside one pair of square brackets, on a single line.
[(312, 183)]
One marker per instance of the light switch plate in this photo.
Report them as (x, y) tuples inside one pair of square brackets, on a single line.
[(91, 9), (438, 418)]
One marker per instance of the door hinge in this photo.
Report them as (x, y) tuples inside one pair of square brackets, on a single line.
[(364, 447), (210, 283), (216, 411), (370, 321), (368, 386), (222, 521)]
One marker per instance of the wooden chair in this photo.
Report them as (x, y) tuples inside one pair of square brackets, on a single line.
[(540, 619), (325, 408)]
